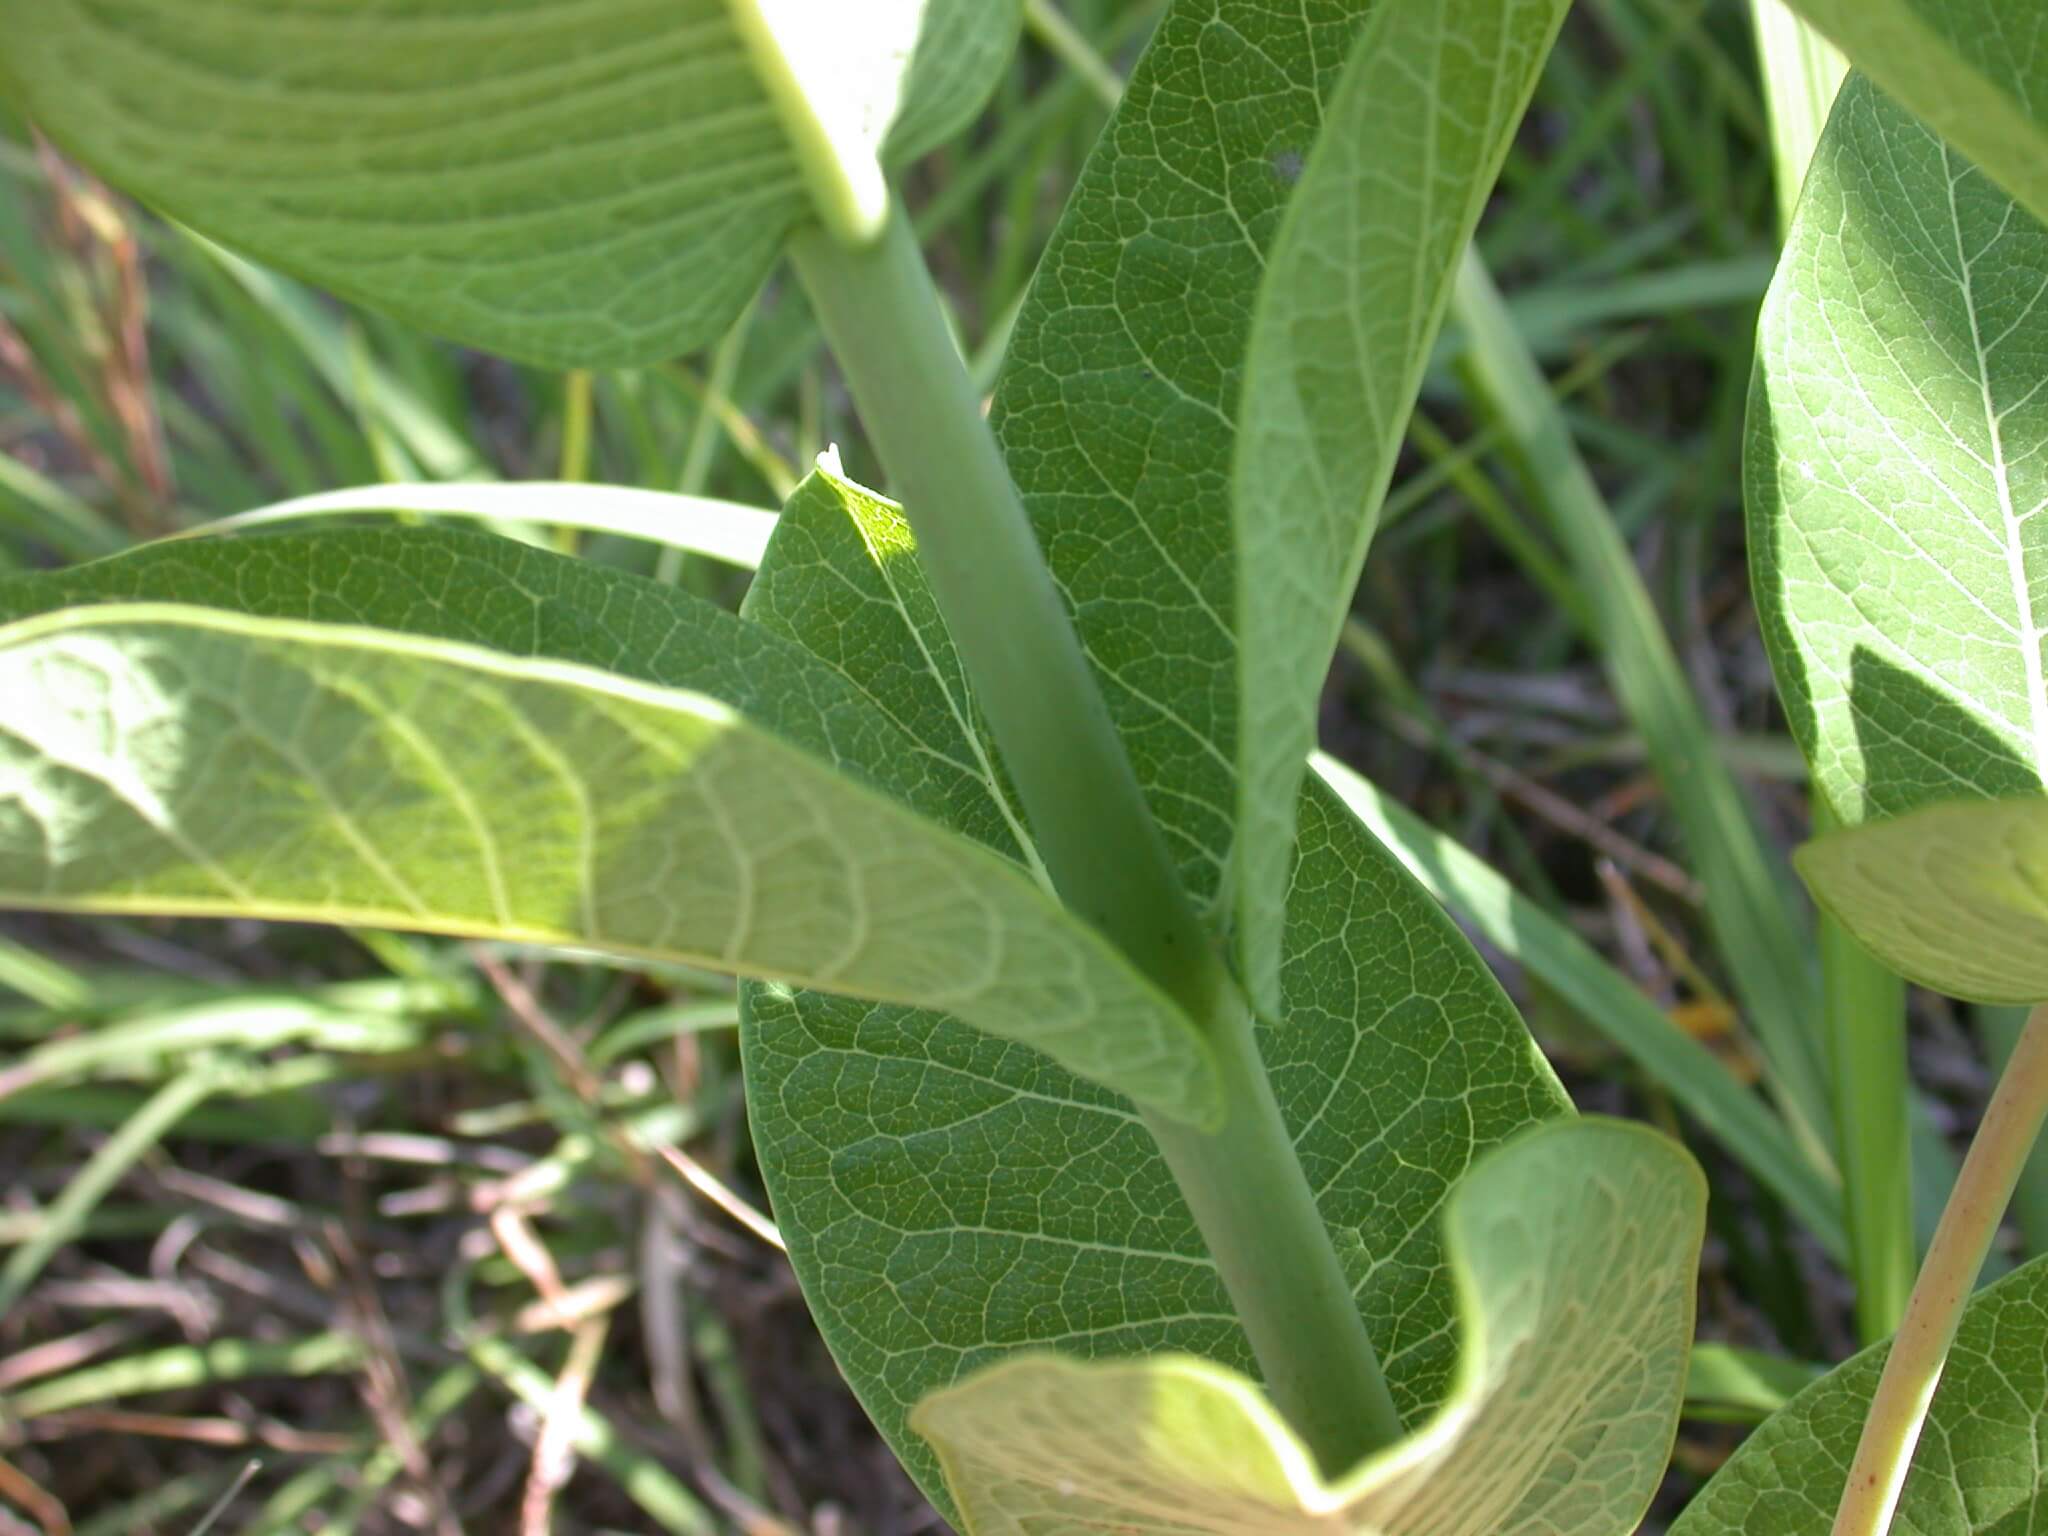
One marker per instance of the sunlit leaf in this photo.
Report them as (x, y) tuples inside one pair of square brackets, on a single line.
[(166, 758), (1897, 469), (1974, 70), (1954, 896)]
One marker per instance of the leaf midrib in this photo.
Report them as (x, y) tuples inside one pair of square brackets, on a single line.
[(2015, 553)]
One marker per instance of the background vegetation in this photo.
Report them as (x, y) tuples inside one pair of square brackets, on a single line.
[(302, 1230)]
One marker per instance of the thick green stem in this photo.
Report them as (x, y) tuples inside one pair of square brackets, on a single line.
[(1969, 1223), (1105, 854), (1259, 1217), (1103, 851)]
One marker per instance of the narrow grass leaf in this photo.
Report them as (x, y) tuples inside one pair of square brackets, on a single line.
[(1728, 1385), (1749, 905), (703, 525), (68, 1213), (188, 1365)]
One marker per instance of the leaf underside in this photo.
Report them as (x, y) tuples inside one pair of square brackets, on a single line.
[(1896, 472), (1954, 896), (1354, 293), (1897, 467), (570, 182), (159, 757), (1574, 1246), (950, 1199), (1979, 1469)]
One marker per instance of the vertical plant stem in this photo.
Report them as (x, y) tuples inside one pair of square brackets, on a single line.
[(1964, 1237), (1088, 817), (1863, 1005), (1259, 1218), (1865, 1009), (575, 425), (1105, 854)]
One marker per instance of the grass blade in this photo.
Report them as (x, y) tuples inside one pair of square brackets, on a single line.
[(68, 1213), (1756, 925), (724, 530)]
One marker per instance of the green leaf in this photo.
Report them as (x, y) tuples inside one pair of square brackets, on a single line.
[(1978, 1471), (1896, 469), (571, 182), (1698, 1080), (1574, 1249), (164, 758), (1117, 404), (1353, 295), (1976, 71), (1954, 896), (949, 1200)]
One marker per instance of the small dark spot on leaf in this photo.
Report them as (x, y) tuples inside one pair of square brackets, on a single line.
[(1287, 165)]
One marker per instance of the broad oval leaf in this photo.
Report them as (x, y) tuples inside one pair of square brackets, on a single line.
[(1978, 1469), (1897, 466), (950, 1200), (571, 182), (1954, 896), (1897, 462), (1354, 292), (1976, 71), (166, 758), (1574, 1248)]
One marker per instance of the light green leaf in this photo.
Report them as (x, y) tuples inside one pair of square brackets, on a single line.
[(1976, 71), (1978, 1471), (164, 758), (1354, 292), (1953, 896), (1896, 471), (949, 1200), (572, 182), (1574, 1248)]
